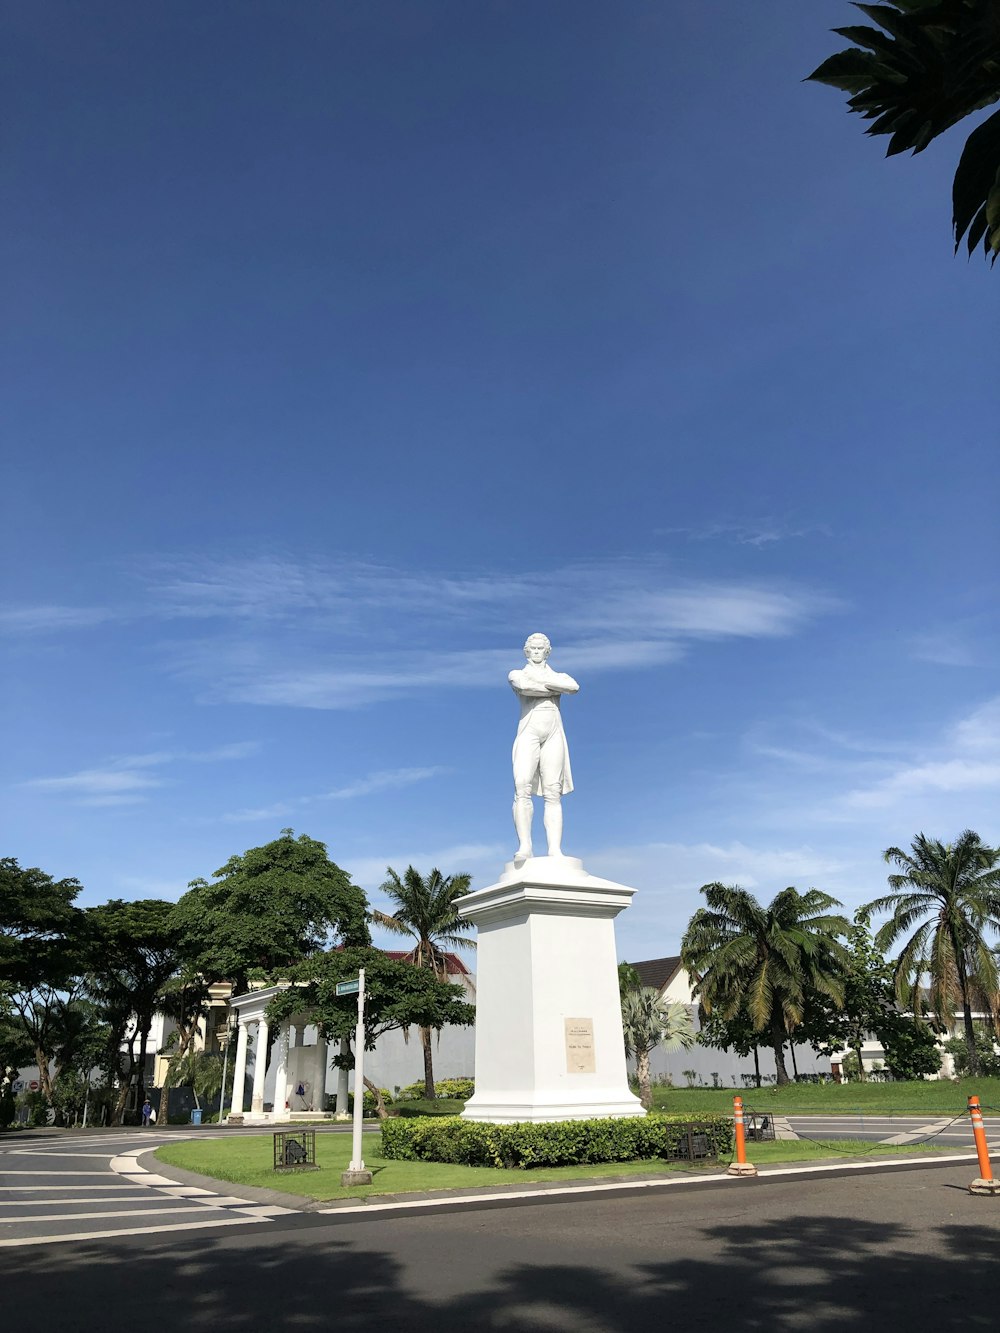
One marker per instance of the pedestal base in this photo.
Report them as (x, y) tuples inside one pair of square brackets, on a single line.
[(549, 1040)]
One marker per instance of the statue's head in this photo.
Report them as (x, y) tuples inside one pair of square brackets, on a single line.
[(537, 647)]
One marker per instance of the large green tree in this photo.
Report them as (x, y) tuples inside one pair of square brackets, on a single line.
[(868, 1008), (742, 954), (424, 909), (925, 67), (134, 950), (40, 963), (649, 1021), (398, 996), (269, 908), (945, 901)]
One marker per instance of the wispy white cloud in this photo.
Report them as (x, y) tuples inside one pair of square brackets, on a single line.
[(963, 761), (125, 779), (96, 782), (388, 780), (399, 777), (349, 634), (260, 815), (762, 532), (48, 619)]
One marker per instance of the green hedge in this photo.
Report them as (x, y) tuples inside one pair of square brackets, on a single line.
[(560, 1143), (462, 1088)]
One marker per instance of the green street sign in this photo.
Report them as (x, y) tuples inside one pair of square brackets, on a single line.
[(349, 987)]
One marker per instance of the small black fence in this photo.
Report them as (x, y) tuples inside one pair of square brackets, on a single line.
[(295, 1150), (759, 1127), (694, 1144)]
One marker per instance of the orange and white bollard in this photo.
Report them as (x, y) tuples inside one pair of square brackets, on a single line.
[(984, 1183), (741, 1167)]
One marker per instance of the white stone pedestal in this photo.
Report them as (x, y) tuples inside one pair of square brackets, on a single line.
[(548, 1015)]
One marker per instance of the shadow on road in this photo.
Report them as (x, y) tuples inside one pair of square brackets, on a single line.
[(799, 1272)]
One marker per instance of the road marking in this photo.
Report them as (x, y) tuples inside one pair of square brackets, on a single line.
[(118, 1212), (28, 1189), (82, 1203), (18, 1172), (920, 1132), (130, 1231)]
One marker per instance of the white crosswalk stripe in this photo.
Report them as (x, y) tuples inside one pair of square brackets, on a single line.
[(48, 1203)]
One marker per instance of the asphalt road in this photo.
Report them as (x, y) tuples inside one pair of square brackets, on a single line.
[(58, 1186), (909, 1249)]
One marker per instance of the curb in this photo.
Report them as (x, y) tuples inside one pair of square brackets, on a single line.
[(499, 1196)]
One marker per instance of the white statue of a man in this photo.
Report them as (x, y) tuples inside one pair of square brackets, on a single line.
[(541, 756)]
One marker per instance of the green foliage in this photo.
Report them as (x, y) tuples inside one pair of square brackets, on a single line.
[(460, 1088), (268, 909), (946, 899), (628, 979), (987, 1057), (765, 960), (421, 1106), (370, 1105), (928, 65), (911, 1048), (424, 909), (7, 1107), (34, 1108), (397, 996), (648, 1021), (38, 924), (562, 1143)]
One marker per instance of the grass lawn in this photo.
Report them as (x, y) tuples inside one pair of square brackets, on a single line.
[(920, 1098), (246, 1160)]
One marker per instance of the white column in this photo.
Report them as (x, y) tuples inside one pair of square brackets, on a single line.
[(260, 1066), (280, 1072), (240, 1071), (319, 1077), (343, 1081)]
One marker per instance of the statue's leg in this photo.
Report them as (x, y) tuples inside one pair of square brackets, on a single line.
[(526, 754), (551, 764), (522, 824), (553, 820)]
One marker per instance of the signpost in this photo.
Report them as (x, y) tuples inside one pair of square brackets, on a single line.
[(357, 1173)]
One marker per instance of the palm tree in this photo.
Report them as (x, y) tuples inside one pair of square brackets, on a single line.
[(425, 910), (765, 958), (953, 891), (649, 1021)]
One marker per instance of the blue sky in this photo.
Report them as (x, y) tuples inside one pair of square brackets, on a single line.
[(349, 344)]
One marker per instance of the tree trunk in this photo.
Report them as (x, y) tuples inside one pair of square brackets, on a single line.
[(425, 1041), (778, 1038), (970, 1031), (642, 1074), (756, 1065), (380, 1110), (44, 1078), (795, 1068), (163, 1115), (862, 1076)]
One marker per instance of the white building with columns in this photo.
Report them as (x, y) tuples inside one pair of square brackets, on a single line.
[(291, 1071)]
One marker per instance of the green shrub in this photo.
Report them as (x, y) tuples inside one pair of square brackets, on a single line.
[(560, 1143), (369, 1102), (446, 1106), (460, 1088)]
